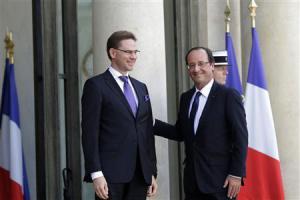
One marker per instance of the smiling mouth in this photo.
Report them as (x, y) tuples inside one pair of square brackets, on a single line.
[(197, 74)]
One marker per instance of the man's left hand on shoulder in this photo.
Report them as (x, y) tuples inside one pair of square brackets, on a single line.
[(234, 185)]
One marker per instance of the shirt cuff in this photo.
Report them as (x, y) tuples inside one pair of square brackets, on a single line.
[(237, 177), (95, 175)]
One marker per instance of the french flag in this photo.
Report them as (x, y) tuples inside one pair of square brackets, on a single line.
[(13, 178), (263, 181), (233, 78)]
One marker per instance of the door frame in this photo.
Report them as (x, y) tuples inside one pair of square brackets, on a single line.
[(46, 91)]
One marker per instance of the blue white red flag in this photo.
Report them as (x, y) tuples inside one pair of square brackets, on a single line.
[(13, 178), (263, 179)]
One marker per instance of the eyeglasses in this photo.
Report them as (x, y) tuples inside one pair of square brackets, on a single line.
[(200, 64), (129, 51)]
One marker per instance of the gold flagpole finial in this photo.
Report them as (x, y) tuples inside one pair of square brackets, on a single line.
[(252, 7), (6, 40), (9, 45), (227, 17)]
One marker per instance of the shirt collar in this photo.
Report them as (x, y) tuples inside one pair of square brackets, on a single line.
[(206, 89), (115, 73)]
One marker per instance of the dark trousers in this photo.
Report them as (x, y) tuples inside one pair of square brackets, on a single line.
[(192, 191), (136, 189), (212, 196)]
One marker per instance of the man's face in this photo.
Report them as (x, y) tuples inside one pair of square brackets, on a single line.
[(124, 57), (220, 74), (200, 70)]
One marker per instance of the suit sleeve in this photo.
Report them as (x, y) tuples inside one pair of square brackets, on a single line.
[(172, 132), (152, 140), (91, 111), (239, 134)]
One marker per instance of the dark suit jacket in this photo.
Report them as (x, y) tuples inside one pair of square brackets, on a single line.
[(112, 138), (219, 147)]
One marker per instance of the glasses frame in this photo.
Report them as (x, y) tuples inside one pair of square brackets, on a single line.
[(200, 64), (129, 51)]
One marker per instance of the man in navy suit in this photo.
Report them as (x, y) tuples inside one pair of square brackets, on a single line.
[(117, 127), (212, 123)]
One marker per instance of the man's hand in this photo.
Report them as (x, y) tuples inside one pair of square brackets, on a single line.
[(100, 186), (152, 188), (234, 185)]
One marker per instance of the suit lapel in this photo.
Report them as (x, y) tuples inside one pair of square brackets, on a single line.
[(186, 107), (207, 107), (111, 82)]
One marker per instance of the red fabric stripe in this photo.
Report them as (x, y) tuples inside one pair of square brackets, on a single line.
[(9, 189), (263, 179)]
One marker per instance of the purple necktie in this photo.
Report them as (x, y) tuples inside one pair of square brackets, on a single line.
[(129, 94)]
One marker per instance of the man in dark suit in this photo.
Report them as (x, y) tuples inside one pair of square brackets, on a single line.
[(212, 123), (117, 138)]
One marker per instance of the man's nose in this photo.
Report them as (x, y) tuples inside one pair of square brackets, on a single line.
[(133, 55)]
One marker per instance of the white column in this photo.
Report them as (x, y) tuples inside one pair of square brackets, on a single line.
[(145, 18)]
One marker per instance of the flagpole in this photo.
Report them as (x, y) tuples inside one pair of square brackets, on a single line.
[(227, 17), (252, 7), (9, 46)]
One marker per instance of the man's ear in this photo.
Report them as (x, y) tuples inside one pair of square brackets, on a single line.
[(112, 52)]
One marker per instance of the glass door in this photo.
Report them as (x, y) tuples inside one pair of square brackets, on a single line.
[(85, 67)]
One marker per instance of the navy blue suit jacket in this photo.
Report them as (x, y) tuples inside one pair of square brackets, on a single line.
[(112, 138), (219, 147)]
